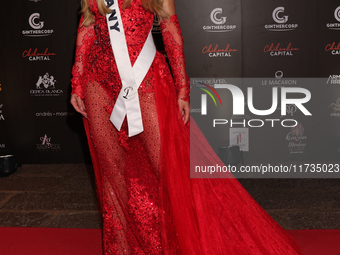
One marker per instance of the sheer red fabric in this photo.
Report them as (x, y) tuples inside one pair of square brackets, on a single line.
[(149, 203), (173, 44)]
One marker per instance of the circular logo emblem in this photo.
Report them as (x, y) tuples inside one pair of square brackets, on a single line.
[(337, 13), (276, 15), (214, 16), (278, 74), (33, 23)]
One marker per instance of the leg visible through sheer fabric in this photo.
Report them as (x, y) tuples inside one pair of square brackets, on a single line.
[(129, 176)]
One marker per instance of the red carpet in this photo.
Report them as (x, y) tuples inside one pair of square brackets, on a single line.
[(50, 241), (318, 242), (61, 241)]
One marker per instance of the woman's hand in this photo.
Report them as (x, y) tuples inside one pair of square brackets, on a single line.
[(78, 105), (184, 108)]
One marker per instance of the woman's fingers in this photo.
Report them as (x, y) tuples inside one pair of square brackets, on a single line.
[(186, 114), (184, 108), (78, 105)]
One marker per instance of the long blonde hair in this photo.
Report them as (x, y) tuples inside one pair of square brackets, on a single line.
[(152, 5)]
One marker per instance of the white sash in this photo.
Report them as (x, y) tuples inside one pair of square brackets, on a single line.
[(127, 103)]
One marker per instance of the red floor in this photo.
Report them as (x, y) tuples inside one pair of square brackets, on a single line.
[(61, 241)]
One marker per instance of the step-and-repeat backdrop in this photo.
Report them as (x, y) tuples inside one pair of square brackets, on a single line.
[(277, 42)]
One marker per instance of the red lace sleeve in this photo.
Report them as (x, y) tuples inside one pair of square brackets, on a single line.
[(173, 43), (85, 38)]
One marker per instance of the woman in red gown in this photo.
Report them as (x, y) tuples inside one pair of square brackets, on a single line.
[(148, 202)]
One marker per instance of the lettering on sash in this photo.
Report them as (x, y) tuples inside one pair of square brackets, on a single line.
[(127, 90), (113, 16)]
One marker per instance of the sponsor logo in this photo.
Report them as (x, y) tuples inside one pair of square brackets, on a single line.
[(32, 21), (45, 86), (240, 137), (296, 139), (219, 21), (335, 26), (291, 109), (55, 114), (276, 50), (195, 110), (45, 145), (35, 55), (278, 74), (333, 79), (337, 13), (333, 48), (37, 24), (208, 81), (1, 115), (279, 81), (46, 81), (281, 20), (216, 51), (335, 108)]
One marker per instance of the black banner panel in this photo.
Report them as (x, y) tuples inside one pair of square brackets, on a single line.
[(37, 51)]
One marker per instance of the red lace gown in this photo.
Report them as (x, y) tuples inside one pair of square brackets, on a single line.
[(148, 202)]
